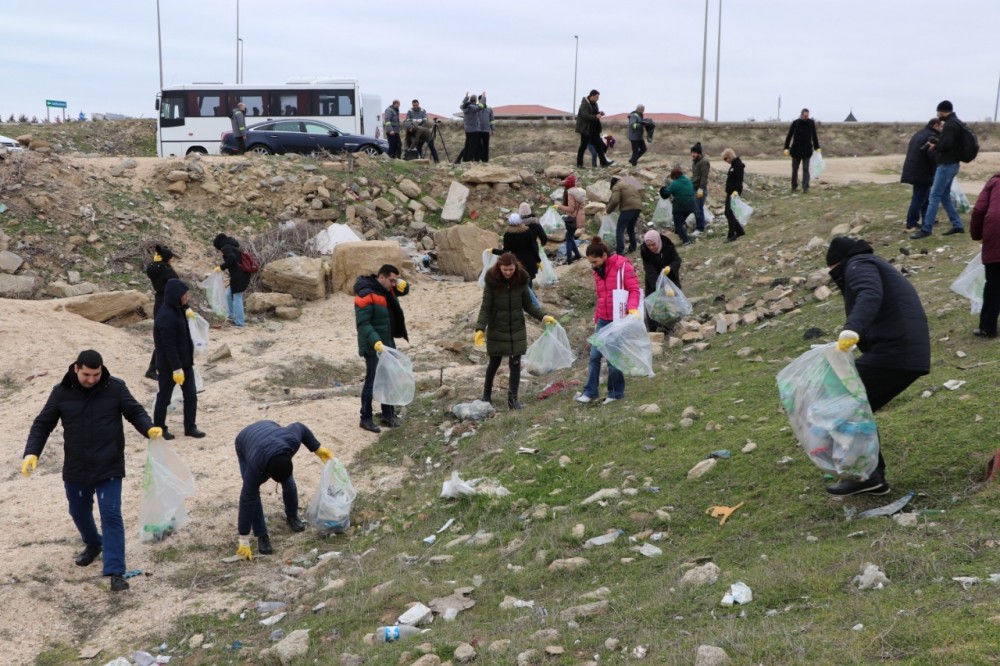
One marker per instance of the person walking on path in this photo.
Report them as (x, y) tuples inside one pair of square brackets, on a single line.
[(470, 121), (486, 127), (887, 323), (239, 121), (625, 198), (948, 162), (918, 170), (264, 452), (379, 320), (800, 143), (985, 227), (637, 133), (175, 359), (734, 185), (501, 326), (588, 126), (91, 403), (390, 122), (159, 272), (611, 272), (681, 191), (659, 256), (574, 201), (239, 279), (700, 170)]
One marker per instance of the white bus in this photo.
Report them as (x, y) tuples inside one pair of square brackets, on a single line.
[(192, 118)]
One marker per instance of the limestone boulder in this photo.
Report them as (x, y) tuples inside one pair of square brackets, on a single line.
[(599, 191), (61, 289), (409, 188), (301, 277), (258, 302), (558, 171), (16, 285), (490, 174), (352, 260), (109, 305), (10, 262), (287, 313), (454, 203), (460, 249)]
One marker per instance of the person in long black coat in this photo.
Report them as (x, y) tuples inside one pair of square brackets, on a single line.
[(239, 279), (175, 358), (159, 271), (918, 170), (800, 143), (734, 185)]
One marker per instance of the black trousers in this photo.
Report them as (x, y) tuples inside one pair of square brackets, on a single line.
[(395, 145), (166, 391), (638, 150), (597, 142), (804, 161), (882, 385), (472, 146), (991, 301), (735, 228), (514, 364), (484, 146)]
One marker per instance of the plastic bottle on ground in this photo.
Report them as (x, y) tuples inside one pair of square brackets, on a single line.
[(395, 633)]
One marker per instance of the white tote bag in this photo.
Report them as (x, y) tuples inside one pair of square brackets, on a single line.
[(619, 297)]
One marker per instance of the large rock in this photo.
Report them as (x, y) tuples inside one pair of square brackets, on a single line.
[(460, 249), (266, 301), (108, 305), (16, 285), (61, 289), (599, 191), (710, 655), (292, 647), (454, 204), (409, 188), (489, 173), (558, 171), (351, 260), (301, 277), (9, 262)]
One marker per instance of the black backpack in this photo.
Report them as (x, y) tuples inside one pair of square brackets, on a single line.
[(968, 146)]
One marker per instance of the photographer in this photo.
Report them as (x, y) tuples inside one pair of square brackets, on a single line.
[(419, 130)]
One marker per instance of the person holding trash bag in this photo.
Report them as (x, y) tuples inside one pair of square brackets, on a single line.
[(985, 227), (532, 222), (175, 358), (588, 126), (636, 128), (522, 240), (734, 185), (574, 202), (799, 144), (264, 451), (681, 191), (617, 289), (886, 321), (659, 256), (239, 279), (700, 170), (379, 320), (91, 404), (159, 272), (500, 325), (625, 198)]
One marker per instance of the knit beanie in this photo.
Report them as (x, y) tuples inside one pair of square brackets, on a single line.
[(164, 252), (696, 148), (218, 242), (524, 210), (839, 249), (570, 181), (514, 219), (945, 106)]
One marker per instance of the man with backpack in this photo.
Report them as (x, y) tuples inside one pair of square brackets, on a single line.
[(957, 144), (240, 265)]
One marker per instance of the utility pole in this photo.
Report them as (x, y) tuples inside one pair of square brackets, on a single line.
[(159, 42), (718, 60), (779, 108), (237, 41), (997, 102), (704, 62), (576, 61)]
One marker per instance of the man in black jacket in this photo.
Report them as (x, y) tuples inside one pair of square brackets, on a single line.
[(264, 451), (159, 272), (800, 143), (239, 280), (947, 152), (91, 404), (918, 170), (175, 358), (588, 126), (886, 320)]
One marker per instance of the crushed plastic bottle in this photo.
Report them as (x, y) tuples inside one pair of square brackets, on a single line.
[(603, 540), (395, 633)]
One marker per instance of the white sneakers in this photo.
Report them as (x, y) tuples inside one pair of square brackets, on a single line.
[(608, 401), (583, 400)]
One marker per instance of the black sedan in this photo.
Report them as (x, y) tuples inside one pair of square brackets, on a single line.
[(302, 136)]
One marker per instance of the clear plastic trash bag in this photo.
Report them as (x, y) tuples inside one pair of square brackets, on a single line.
[(552, 221), (489, 259), (971, 282), (609, 229), (199, 328), (663, 214), (551, 351), (741, 209), (215, 292), (330, 507), (548, 275), (625, 343), (666, 305), (394, 383), (816, 165), (958, 198), (166, 481)]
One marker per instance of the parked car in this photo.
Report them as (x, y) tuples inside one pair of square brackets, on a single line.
[(293, 135), (9, 143)]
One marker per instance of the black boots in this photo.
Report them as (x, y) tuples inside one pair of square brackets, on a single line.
[(512, 402), (515, 382), (488, 394)]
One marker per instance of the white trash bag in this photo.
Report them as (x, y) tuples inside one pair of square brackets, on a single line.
[(330, 507), (741, 209), (548, 272), (552, 221), (667, 304), (625, 343), (215, 292), (166, 481), (609, 229), (816, 165), (551, 351), (199, 328), (394, 383), (489, 259), (663, 214), (971, 282), (958, 198)]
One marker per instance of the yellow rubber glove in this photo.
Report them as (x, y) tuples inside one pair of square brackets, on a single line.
[(324, 454), (179, 377), (787, 153), (379, 346), (548, 320), (216, 270), (819, 150), (243, 550), (479, 339), (670, 292), (28, 465), (700, 193), (634, 313), (401, 285), (157, 257), (154, 432), (190, 313), (666, 271), (847, 340)]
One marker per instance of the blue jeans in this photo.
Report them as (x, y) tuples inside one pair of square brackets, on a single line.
[(109, 504), (616, 380), (918, 205), (289, 496), (533, 297), (699, 213), (234, 303), (572, 251), (367, 389), (626, 222), (941, 195)]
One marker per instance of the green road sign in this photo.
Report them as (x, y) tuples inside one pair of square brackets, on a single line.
[(55, 104)]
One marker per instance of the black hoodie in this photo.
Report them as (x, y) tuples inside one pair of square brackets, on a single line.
[(171, 335), (231, 253), (884, 310)]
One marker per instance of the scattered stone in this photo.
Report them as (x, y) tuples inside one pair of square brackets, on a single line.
[(301, 277), (528, 658), (640, 651), (219, 353), (177, 187), (569, 564), (351, 259), (61, 289), (555, 650), (441, 559), (821, 293), (348, 659), (499, 647), (429, 660), (564, 461), (701, 468), (649, 409), (10, 262), (477, 410), (108, 305), (709, 655), (465, 653), (454, 204), (460, 249), (706, 574), (906, 519), (261, 301), (292, 647), (750, 446), (543, 635), (579, 531), (585, 610), (557, 171), (287, 313), (599, 191), (603, 494), (689, 413), (456, 602), (612, 644)]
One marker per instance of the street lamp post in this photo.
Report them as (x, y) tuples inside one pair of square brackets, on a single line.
[(159, 43), (718, 60), (239, 79), (704, 62), (576, 60), (237, 41)]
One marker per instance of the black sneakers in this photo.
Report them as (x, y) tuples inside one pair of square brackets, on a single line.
[(369, 425), (920, 233), (118, 583), (88, 555), (295, 524), (390, 422), (151, 374), (953, 230), (264, 546), (194, 433), (874, 486), (167, 434)]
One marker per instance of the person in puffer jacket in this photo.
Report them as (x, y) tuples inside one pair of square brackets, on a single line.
[(611, 272), (574, 202), (175, 359), (985, 227), (159, 272)]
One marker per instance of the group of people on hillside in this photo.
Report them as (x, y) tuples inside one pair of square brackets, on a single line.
[(420, 130), (479, 125)]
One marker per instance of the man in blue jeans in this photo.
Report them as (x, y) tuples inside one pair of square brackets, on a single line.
[(918, 170), (91, 404), (948, 148)]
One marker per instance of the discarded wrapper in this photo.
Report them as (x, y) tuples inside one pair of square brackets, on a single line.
[(738, 594)]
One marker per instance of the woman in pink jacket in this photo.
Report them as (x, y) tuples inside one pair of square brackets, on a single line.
[(611, 272), (985, 227), (574, 216)]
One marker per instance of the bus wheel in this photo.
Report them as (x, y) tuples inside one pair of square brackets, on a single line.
[(197, 151), (259, 149), (369, 149)]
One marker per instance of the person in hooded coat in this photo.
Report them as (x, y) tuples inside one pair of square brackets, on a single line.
[(886, 321), (522, 240), (573, 209), (159, 271), (985, 226), (239, 279), (175, 358)]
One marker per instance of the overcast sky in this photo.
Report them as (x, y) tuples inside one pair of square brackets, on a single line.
[(885, 59)]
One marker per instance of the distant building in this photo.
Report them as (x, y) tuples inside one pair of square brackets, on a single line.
[(530, 112), (850, 117), (657, 117)]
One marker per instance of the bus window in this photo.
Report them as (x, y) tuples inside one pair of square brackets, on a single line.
[(254, 103), (172, 111), (206, 105), (284, 104), (334, 103)]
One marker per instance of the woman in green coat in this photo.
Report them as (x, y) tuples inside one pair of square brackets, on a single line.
[(501, 322), (681, 190)]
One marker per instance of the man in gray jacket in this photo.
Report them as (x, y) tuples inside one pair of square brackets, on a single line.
[(700, 168), (485, 128), (239, 120), (636, 133), (419, 130), (390, 120), (470, 116)]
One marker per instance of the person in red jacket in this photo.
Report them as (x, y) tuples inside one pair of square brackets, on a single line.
[(611, 272), (985, 227)]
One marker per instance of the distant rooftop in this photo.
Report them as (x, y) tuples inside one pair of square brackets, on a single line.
[(658, 117), (529, 111)]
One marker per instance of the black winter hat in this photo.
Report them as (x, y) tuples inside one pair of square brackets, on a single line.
[(945, 106), (164, 252), (279, 467), (839, 248), (219, 241), (696, 148)]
